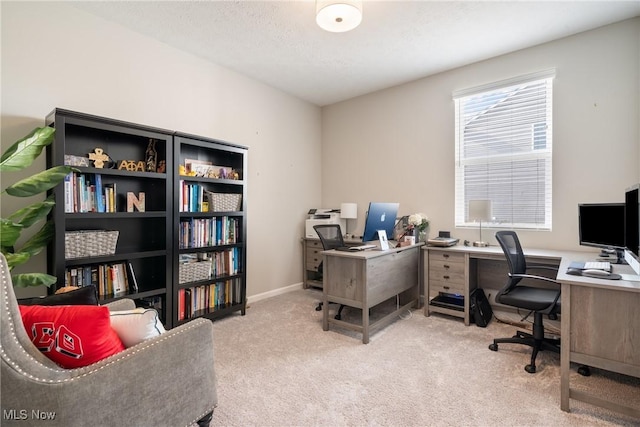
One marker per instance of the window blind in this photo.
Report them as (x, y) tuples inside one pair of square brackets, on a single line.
[(503, 138)]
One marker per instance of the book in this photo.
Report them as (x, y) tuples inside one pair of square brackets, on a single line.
[(68, 193), (117, 278), (133, 282), (99, 194)]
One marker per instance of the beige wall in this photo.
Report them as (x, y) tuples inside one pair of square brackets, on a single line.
[(395, 144), (401, 140), (54, 55)]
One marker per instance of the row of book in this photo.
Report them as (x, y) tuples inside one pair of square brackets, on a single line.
[(192, 198), (203, 232), (86, 193), (223, 263), (198, 300), (112, 279)]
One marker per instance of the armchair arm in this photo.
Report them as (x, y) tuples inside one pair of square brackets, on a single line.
[(167, 380), (121, 305)]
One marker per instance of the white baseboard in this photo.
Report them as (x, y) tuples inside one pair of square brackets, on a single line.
[(274, 292)]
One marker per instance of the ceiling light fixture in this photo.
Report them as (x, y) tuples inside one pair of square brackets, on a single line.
[(338, 16)]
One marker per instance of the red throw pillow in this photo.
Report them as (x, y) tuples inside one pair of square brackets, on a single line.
[(71, 335)]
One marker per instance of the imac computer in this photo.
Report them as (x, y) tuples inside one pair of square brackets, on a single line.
[(632, 219), (380, 216), (602, 225)]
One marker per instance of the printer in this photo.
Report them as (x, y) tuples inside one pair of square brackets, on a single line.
[(323, 216)]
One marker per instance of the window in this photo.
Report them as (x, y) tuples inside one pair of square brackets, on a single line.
[(503, 151)]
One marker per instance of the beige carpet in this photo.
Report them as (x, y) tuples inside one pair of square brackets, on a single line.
[(277, 367)]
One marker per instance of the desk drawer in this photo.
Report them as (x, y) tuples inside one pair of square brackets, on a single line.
[(446, 287), (314, 255), (313, 260), (446, 267), (449, 256), (455, 276)]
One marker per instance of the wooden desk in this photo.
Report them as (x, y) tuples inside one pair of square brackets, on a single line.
[(368, 278), (311, 257), (600, 327), (461, 269)]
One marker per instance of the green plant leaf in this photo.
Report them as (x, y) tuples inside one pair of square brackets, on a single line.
[(33, 213), (39, 182), (9, 232), (14, 260), (33, 279), (25, 151), (40, 240)]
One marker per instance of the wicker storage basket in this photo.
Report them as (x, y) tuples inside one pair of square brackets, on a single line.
[(194, 271), (224, 202), (88, 243)]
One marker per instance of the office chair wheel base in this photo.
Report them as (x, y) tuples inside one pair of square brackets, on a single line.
[(584, 371), (493, 347), (530, 369)]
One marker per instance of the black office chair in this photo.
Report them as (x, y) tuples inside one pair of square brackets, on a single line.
[(331, 238), (538, 300)]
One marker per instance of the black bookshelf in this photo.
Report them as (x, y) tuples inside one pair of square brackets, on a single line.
[(213, 234), (149, 244)]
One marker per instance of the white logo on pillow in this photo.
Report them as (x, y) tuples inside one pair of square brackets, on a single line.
[(47, 338)]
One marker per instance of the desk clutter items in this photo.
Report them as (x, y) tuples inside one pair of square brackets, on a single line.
[(444, 239)]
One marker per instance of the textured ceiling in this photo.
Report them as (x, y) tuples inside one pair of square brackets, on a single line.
[(279, 43)]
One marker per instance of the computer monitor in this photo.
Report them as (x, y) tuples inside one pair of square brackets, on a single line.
[(380, 216), (632, 219), (602, 225)]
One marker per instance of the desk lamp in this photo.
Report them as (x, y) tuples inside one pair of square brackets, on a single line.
[(480, 210), (348, 211)]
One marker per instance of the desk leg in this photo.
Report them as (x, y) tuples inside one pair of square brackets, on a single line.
[(325, 300), (365, 324), (565, 347)]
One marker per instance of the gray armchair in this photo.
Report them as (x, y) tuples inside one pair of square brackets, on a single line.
[(164, 381)]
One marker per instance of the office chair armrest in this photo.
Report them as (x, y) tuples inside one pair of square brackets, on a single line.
[(532, 276)]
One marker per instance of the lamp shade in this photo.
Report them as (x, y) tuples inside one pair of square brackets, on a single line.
[(479, 210), (338, 16), (349, 210)]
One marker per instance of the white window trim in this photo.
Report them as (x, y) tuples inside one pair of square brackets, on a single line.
[(544, 154)]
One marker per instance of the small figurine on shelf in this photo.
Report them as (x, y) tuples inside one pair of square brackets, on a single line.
[(99, 157), (151, 156), (161, 166)]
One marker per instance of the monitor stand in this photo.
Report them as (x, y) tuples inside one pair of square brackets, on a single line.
[(610, 253)]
